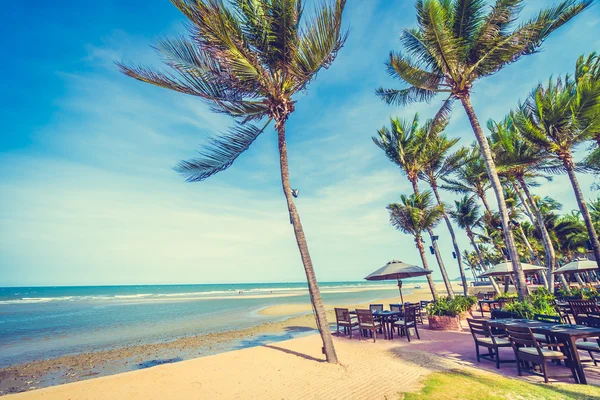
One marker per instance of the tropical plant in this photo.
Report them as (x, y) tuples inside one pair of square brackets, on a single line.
[(415, 215), (451, 307), (404, 144), (522, 309), (556, 117), (438, 161), (456, 43), (248, 59)]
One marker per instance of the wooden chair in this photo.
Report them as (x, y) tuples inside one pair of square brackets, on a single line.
[(583, 308), (344, 319), (395, 307), (417, 307), (408, 321), (563, 311), (366, 322), (591, 347), (528, 349), (376, 307), (424, 304), (484, 337)]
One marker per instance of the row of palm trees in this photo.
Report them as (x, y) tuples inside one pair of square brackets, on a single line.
[(249, 58), (455, 44), (535, 141)]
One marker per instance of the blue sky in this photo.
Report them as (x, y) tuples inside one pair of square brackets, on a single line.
[(86, 154)]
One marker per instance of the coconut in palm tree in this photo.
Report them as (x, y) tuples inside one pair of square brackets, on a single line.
[(247, 59)]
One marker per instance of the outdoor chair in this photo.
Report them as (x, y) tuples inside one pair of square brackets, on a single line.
[(417, 306), (408, 321), (583, 308), (499, 314), (395, 307), (484, 337), (490, 295), (344, 319), (424, 304), (376, 307), (527, 349), (592, 347), (366, 322), (563, 311)]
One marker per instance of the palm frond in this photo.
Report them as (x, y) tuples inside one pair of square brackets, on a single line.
[(220, 152)]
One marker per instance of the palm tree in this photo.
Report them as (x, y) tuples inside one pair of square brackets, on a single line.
[(520, 162), (466, 215), (470, 177), (437, 161), (248, 59), (556, 118), (456, 43), (414, 215), (404, 144)]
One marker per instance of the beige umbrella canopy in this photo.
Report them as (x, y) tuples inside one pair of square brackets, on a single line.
[(397, 270), (505, 268), (577, 266)]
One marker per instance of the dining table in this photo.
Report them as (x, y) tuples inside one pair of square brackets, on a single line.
[(387, 318), (564, 333)]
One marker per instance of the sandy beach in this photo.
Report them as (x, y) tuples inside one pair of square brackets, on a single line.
[(296, 369), (84, 366)]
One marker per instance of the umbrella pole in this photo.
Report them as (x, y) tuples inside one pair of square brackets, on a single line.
[(400, 290), (506, 283)]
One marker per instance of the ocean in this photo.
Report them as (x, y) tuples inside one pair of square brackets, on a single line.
[(45, 322)]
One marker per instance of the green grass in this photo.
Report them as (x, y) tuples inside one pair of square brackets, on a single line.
[(473, 386)]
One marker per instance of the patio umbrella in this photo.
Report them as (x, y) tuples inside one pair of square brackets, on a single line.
[(505, 269), (397, 270), (577, 266)]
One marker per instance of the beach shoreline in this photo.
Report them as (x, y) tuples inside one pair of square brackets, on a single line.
[(296, 321)]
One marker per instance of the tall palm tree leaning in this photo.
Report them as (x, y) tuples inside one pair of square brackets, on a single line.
[(519, 160), (466, 215), (247, 59), (438, 161), (414, 215), (557, 118), (404, 144), (456, 43)]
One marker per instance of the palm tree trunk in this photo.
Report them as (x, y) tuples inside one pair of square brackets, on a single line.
[(483, 198), (436, 250), (419, 243), (480, 257), (570, 167), (313, 286), (463, 277), (532, 255), (550, 254), (484, 146), (524, 202)]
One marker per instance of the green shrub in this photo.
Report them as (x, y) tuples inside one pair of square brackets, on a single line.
[(523, 309), (506, 296), (543, 302), (451, 307), (589, 293)]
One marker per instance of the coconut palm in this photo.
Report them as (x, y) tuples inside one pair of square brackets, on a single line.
[(415, 215), (467, 217), (520, 162), (404, 144), (556, 118), (438, 161), (470, 177), (247, 59), (458, 42)]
